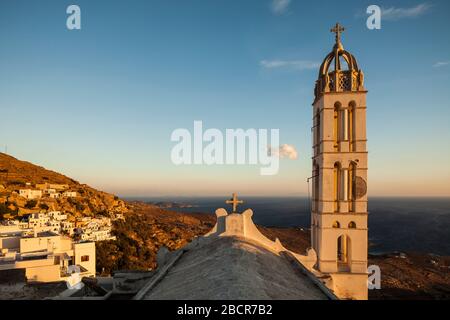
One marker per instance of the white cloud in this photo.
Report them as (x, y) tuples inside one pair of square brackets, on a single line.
[(394, 13), (289, 64), (280, 6), (284, 151), (441, 64)]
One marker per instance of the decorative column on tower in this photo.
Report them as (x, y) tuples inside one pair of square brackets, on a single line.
[(339, 213)]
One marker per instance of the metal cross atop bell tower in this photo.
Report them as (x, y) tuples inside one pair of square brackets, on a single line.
[(338, 29)]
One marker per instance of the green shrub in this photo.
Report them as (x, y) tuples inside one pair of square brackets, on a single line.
[(16, 183), (31, 204), (4, 209)]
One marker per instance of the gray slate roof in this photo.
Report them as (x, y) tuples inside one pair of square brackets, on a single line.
[(228, 268)]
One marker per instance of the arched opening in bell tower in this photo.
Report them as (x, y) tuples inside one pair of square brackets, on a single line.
[(317, 134), (336, 185), (351, 126), (316, 181), (351, 186), (343, 252), (336, 126)]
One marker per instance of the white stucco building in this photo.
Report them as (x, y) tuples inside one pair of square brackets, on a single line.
[(30, 194), (67, 227), (69, 194), (95, 229), (57, 215), (38, 220), (46, 256)]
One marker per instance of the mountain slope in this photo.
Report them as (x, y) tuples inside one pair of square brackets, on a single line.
[(16, 175)]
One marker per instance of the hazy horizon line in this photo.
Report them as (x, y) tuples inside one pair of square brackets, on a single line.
[(274, 196)]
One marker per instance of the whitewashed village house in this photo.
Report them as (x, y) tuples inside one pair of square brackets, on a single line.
[(69, 194), (96, 229), (45, 257), (30, 194)]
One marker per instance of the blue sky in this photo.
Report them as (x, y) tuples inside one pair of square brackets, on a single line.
[(99, 104)]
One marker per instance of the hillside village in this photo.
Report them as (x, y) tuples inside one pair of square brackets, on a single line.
[(29, 209), (27, 189), (26, 210), (83, 229), (50, 223)]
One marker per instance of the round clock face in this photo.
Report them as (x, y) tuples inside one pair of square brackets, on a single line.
[(360, 188)]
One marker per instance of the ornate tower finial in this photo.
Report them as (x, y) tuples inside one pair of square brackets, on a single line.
[(340, 79), (338, 29)]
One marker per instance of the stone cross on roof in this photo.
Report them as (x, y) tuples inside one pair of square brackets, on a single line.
[(234, 201)]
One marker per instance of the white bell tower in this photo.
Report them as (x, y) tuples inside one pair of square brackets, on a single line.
[(339, 197)]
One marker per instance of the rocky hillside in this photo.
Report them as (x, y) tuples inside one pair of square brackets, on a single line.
[(146, 229), (16, 175), (404, 276)]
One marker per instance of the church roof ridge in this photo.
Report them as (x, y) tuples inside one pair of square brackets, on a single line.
[(234, 261)]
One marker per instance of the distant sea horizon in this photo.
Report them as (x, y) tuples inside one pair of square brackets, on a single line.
[(405, 224)]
